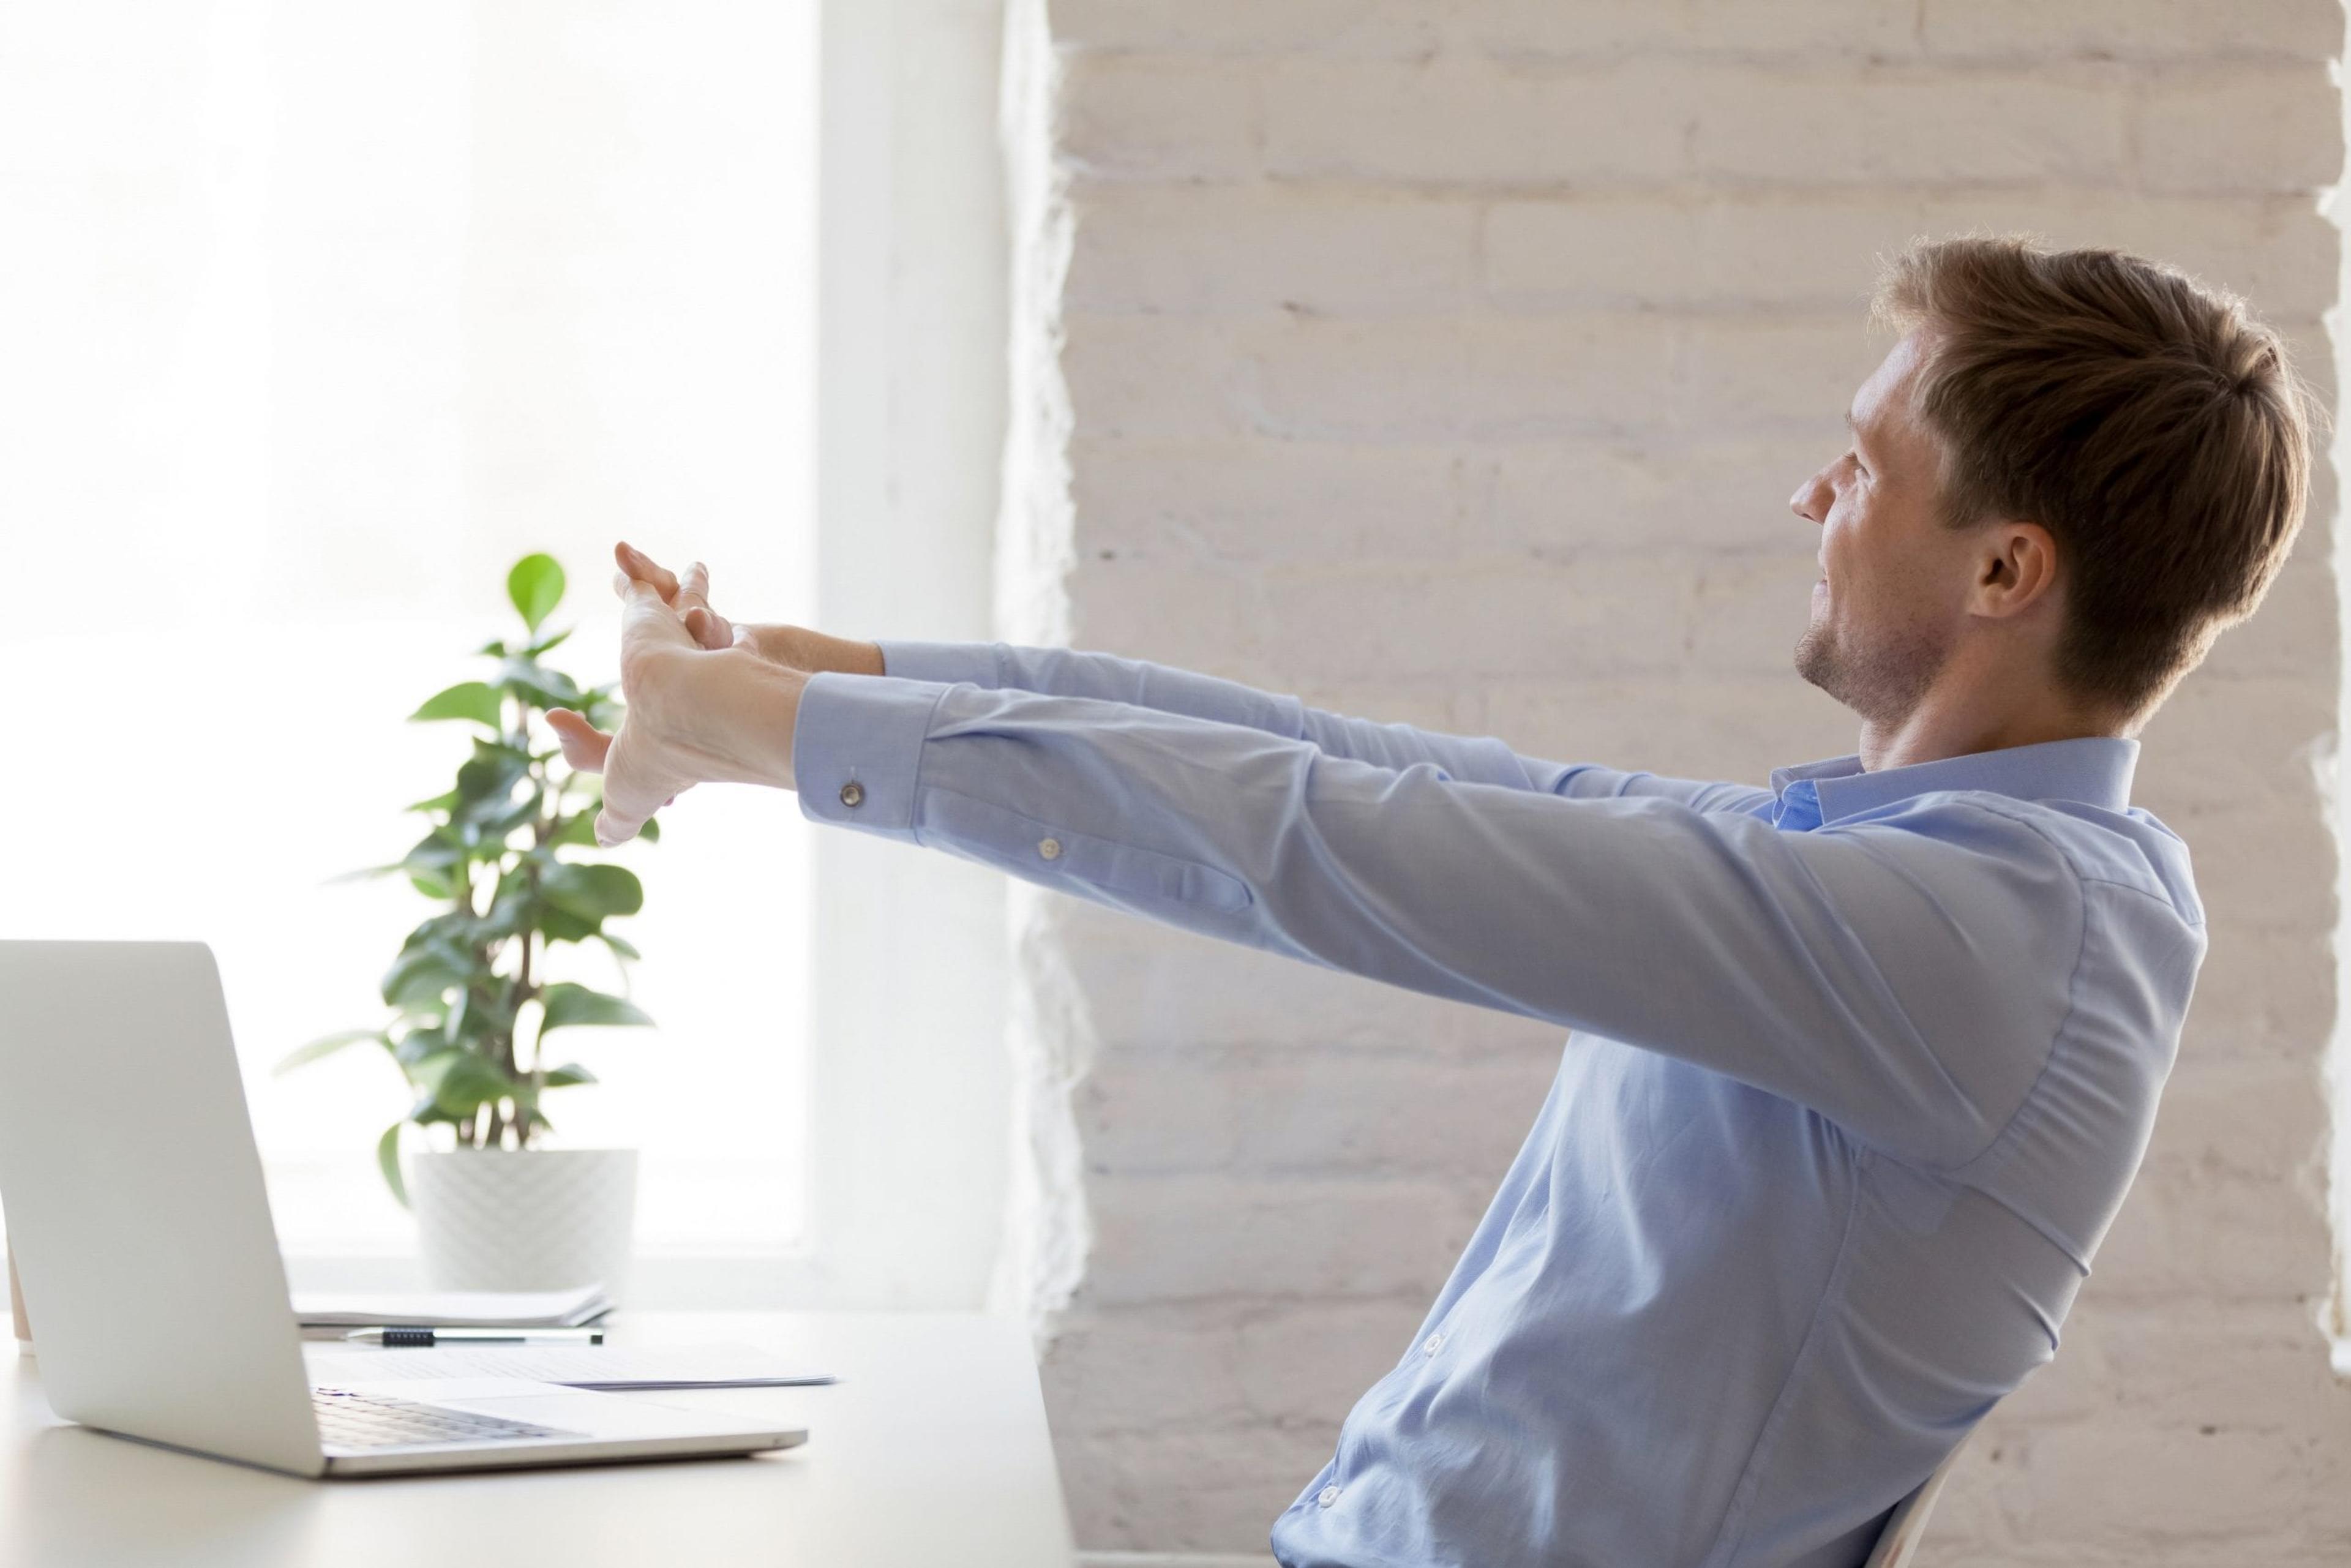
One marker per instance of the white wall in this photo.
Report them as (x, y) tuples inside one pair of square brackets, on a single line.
[(1451, 362)]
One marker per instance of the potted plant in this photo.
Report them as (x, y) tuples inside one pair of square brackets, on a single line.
[(474, 1001)]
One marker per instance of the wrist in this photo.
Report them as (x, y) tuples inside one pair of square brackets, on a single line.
[(842, 655), (810, 652), (757, 705)]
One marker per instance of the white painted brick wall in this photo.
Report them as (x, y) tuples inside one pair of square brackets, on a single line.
[(1450, 361)]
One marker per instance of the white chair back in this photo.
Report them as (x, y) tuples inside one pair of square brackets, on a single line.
[(1907, 1522)]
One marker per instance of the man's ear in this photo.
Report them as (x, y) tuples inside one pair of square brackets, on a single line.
[(2016, 570)]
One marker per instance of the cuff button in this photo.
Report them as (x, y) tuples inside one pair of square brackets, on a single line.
[(1049, 848), (852, 794)]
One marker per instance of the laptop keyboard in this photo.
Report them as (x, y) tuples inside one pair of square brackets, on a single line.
[(370, 1421)]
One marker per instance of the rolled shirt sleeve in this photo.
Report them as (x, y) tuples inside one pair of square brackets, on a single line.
[(1886, 972)]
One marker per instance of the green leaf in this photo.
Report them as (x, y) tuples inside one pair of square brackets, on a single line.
[(327, 1045), (569, 1007), (427, 1071), (558, 926), (469, 1082), (387, 1160), (492, 772), (535, 587), (476, 700), (539, 686), (435, 853), (424, 975), (569, 1073), (416, 1047), (592, 892), (494, 817), (447, 802), (620, 948), (577, 828), (453, 930), (649, 830), (548, 644), (510, 914), (490, 1013)]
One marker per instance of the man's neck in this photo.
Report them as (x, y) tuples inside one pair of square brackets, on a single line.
[(1984, 710)]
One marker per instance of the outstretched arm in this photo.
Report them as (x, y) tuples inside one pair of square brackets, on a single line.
[(1893, 973), (1890, 975), (1068, 673), (1104, 678)]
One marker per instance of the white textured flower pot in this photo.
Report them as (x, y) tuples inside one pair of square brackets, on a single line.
[(530, 1219)]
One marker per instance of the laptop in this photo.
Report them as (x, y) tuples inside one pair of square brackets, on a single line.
[(150, 1269)]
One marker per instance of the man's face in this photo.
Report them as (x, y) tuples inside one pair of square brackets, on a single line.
[(1891, 600)]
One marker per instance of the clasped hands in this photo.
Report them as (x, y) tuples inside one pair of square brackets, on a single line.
[(709, 700)]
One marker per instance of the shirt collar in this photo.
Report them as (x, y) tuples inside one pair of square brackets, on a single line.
[(2095, 771)]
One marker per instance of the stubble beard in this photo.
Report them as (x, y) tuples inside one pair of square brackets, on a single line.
[(1883, 679)]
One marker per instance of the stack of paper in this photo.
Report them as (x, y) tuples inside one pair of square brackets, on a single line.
[(451, 1309)]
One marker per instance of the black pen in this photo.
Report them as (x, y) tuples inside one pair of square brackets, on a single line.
[(420, 1338)]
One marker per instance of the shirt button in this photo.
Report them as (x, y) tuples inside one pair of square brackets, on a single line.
[(1431, 1345), (852, 794), (1049, 848), (1327, 1496)]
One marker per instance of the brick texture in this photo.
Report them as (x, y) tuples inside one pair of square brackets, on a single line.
[(1451, 361)]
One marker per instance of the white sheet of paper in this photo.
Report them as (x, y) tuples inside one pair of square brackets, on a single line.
[(449, 1309), (579, 1365)]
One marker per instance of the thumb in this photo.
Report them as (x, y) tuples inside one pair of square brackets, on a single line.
[(584, 746)]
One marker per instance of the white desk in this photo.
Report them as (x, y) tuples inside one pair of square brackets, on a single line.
[(931, 1451)]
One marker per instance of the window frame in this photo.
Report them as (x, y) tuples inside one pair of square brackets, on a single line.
[(908, 1148)]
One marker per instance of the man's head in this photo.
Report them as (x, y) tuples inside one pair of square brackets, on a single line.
[(2074, 463)]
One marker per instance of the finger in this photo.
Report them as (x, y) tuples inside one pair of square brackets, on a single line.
[(693, 594), (630, 798), (636, 563), (710, 629), (646, 619), (584, 746)]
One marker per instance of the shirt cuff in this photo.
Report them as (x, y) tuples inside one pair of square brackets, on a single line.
[(948, 663), (857, 749)]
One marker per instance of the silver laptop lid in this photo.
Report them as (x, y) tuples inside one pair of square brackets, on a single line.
[(135, 1203)]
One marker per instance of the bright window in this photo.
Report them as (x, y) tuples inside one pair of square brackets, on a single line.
[(318, 317)]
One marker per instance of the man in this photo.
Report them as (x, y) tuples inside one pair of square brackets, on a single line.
[(1863, 1062)]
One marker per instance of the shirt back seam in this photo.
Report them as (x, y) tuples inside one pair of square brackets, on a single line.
[(2008, 1130)]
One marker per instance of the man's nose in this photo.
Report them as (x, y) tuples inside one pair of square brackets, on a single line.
[(1810, 500)]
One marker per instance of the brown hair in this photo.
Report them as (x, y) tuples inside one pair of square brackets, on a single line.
[(2150, 424)]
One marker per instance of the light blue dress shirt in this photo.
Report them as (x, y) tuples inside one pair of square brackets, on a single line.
[(1862, 1066)]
